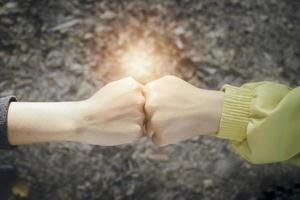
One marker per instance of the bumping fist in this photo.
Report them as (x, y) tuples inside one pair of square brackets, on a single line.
[(114, 115), (176, 110)]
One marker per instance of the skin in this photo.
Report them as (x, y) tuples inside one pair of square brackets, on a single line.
[(176, 110), (113, 116)]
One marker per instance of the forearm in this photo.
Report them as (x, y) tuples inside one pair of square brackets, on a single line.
[(40, 122), (211, 107)]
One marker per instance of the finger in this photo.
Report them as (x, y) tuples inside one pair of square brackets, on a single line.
[(142, 122), (148, 127), (157, 140)]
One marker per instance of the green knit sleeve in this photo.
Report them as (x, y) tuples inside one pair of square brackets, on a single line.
[(263, 121)]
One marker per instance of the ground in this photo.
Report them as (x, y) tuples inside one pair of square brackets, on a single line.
[(65, 50)]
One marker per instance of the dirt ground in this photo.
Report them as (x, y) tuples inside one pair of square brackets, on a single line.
[(65, 50)]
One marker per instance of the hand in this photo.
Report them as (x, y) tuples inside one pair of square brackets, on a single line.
[(114, 115), (176, 110)]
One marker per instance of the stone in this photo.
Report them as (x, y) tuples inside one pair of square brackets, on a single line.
[(208, 183)]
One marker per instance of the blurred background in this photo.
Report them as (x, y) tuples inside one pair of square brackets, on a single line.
[(66, 50)]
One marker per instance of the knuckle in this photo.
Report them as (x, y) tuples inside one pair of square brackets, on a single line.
[(147, 92), (158, 140), (150, 107), (169, 78), (154, 124), (137, 132), (140, 118), (140, 100), (136, 87), (134, 82), (149, 129), (131, 84), (128, 79), (137, 101), (155, 120), (151, 86)]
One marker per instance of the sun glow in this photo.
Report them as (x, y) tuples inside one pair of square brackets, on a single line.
[(143, 55), (141, 62)]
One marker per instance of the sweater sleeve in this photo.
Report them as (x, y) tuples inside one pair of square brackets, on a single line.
[(262, 121), (4, 105)]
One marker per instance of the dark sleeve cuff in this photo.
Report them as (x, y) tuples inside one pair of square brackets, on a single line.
[(4, 105)]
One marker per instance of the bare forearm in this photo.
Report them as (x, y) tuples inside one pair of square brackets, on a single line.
[(113, 116), (40, 122)]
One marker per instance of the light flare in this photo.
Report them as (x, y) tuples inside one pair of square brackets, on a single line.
[(141, 62), (143, 55)]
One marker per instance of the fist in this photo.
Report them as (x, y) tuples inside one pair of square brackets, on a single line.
[(177, 111), (114, 115)]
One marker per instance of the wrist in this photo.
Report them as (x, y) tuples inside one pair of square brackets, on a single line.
[(40, 122), (217, 102), (73, 121), (82, 120), (211, 107)]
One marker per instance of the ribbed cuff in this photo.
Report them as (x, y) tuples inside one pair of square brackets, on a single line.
[(236, 113), (4, 105)]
